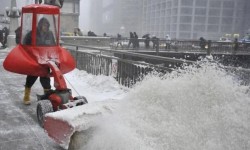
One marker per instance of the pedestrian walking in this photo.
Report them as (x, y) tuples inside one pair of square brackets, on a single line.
[(147, 40), (235, 45), (119, 40), (136, 41), (131, 39), (18, 34), (155, 41), (202, 43), (5, 33)]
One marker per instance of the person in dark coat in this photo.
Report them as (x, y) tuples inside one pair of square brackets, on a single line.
[(5, 36), (131, 39), (90, 33), (136, 41), (202, 43), (18, 34), (236, 45), (147, 40), (119, 40), (44, 37), (1, 37), (155, 41)]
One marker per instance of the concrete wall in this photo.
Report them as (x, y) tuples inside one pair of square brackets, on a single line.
[(87, 40)]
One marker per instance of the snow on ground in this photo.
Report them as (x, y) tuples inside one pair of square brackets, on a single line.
[(94, 88), (197, 108)]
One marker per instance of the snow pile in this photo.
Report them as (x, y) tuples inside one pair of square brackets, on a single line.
[(94, 88), (197, 108)]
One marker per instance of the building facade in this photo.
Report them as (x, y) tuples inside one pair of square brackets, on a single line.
[(181, 19), (70, 15), (191, 19)]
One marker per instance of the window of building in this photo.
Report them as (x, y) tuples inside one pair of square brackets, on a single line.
[(240, 13), (226, 28), (169, 4), (200, 11), (174, 19), (215, 4), (199, 19), (168, 11), (77, 7), (67, 7), (199, 28), (213, 20), (186, 10), (185, 19), (214, 12), (175, 3), (212, 28), (184, 35), (227, 12), (186, 2), (227, 20), (201, 3), (173, 27), (185, 27), (174, 11), (228, 4)]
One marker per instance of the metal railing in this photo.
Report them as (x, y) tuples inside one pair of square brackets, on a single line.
[(180, 45), (126, 71)]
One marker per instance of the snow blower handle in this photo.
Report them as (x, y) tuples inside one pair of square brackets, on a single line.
[(59, 81)]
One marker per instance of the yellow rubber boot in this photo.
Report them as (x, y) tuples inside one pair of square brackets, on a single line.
[(26, 98)]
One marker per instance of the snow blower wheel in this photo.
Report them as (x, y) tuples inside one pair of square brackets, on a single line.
[(43, 107)]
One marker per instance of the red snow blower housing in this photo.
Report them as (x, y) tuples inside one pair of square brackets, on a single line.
[(46, 58)]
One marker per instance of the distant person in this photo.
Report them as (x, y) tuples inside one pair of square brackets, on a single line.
[(235, 44), (5, 33), (105, 34), (90, 33), (1, 37), (131, 39), (119, 40), (147, 40), (155, 41), (168, 42), (18, 34), (77, 32), (202, 43), (136, 41)]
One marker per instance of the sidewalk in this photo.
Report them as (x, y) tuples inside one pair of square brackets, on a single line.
[(19, 129)]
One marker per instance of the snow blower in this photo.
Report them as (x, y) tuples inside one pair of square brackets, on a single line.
[(47, 59)]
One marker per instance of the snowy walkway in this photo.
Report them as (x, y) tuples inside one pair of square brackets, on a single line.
[(19, 129)]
